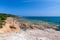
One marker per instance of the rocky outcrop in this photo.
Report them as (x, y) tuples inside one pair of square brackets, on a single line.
[(13, 29), (13, 24)]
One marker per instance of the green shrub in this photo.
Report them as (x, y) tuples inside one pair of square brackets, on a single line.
[(3, 16)]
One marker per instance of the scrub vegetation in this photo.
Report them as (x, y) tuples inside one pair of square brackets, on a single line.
[(3, 16)]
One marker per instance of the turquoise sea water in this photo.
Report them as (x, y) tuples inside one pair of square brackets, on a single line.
[(48, 19), (55, 20)]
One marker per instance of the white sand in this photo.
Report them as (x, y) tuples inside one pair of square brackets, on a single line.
[(31, 35)]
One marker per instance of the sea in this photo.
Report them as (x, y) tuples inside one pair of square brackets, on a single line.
[(55, 20)]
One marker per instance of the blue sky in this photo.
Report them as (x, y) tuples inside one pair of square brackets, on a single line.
[(31, 7)]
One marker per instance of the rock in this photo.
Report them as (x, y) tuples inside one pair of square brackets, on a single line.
[(26, 24), (41, 27), (11, 24), (32, 26)]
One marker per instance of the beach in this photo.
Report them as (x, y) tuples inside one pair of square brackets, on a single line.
[(18, 29)]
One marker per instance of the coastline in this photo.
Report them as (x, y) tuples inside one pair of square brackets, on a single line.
[(23, 29), (38, 21)]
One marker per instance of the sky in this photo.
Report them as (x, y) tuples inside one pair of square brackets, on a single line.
[(30, 7)]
